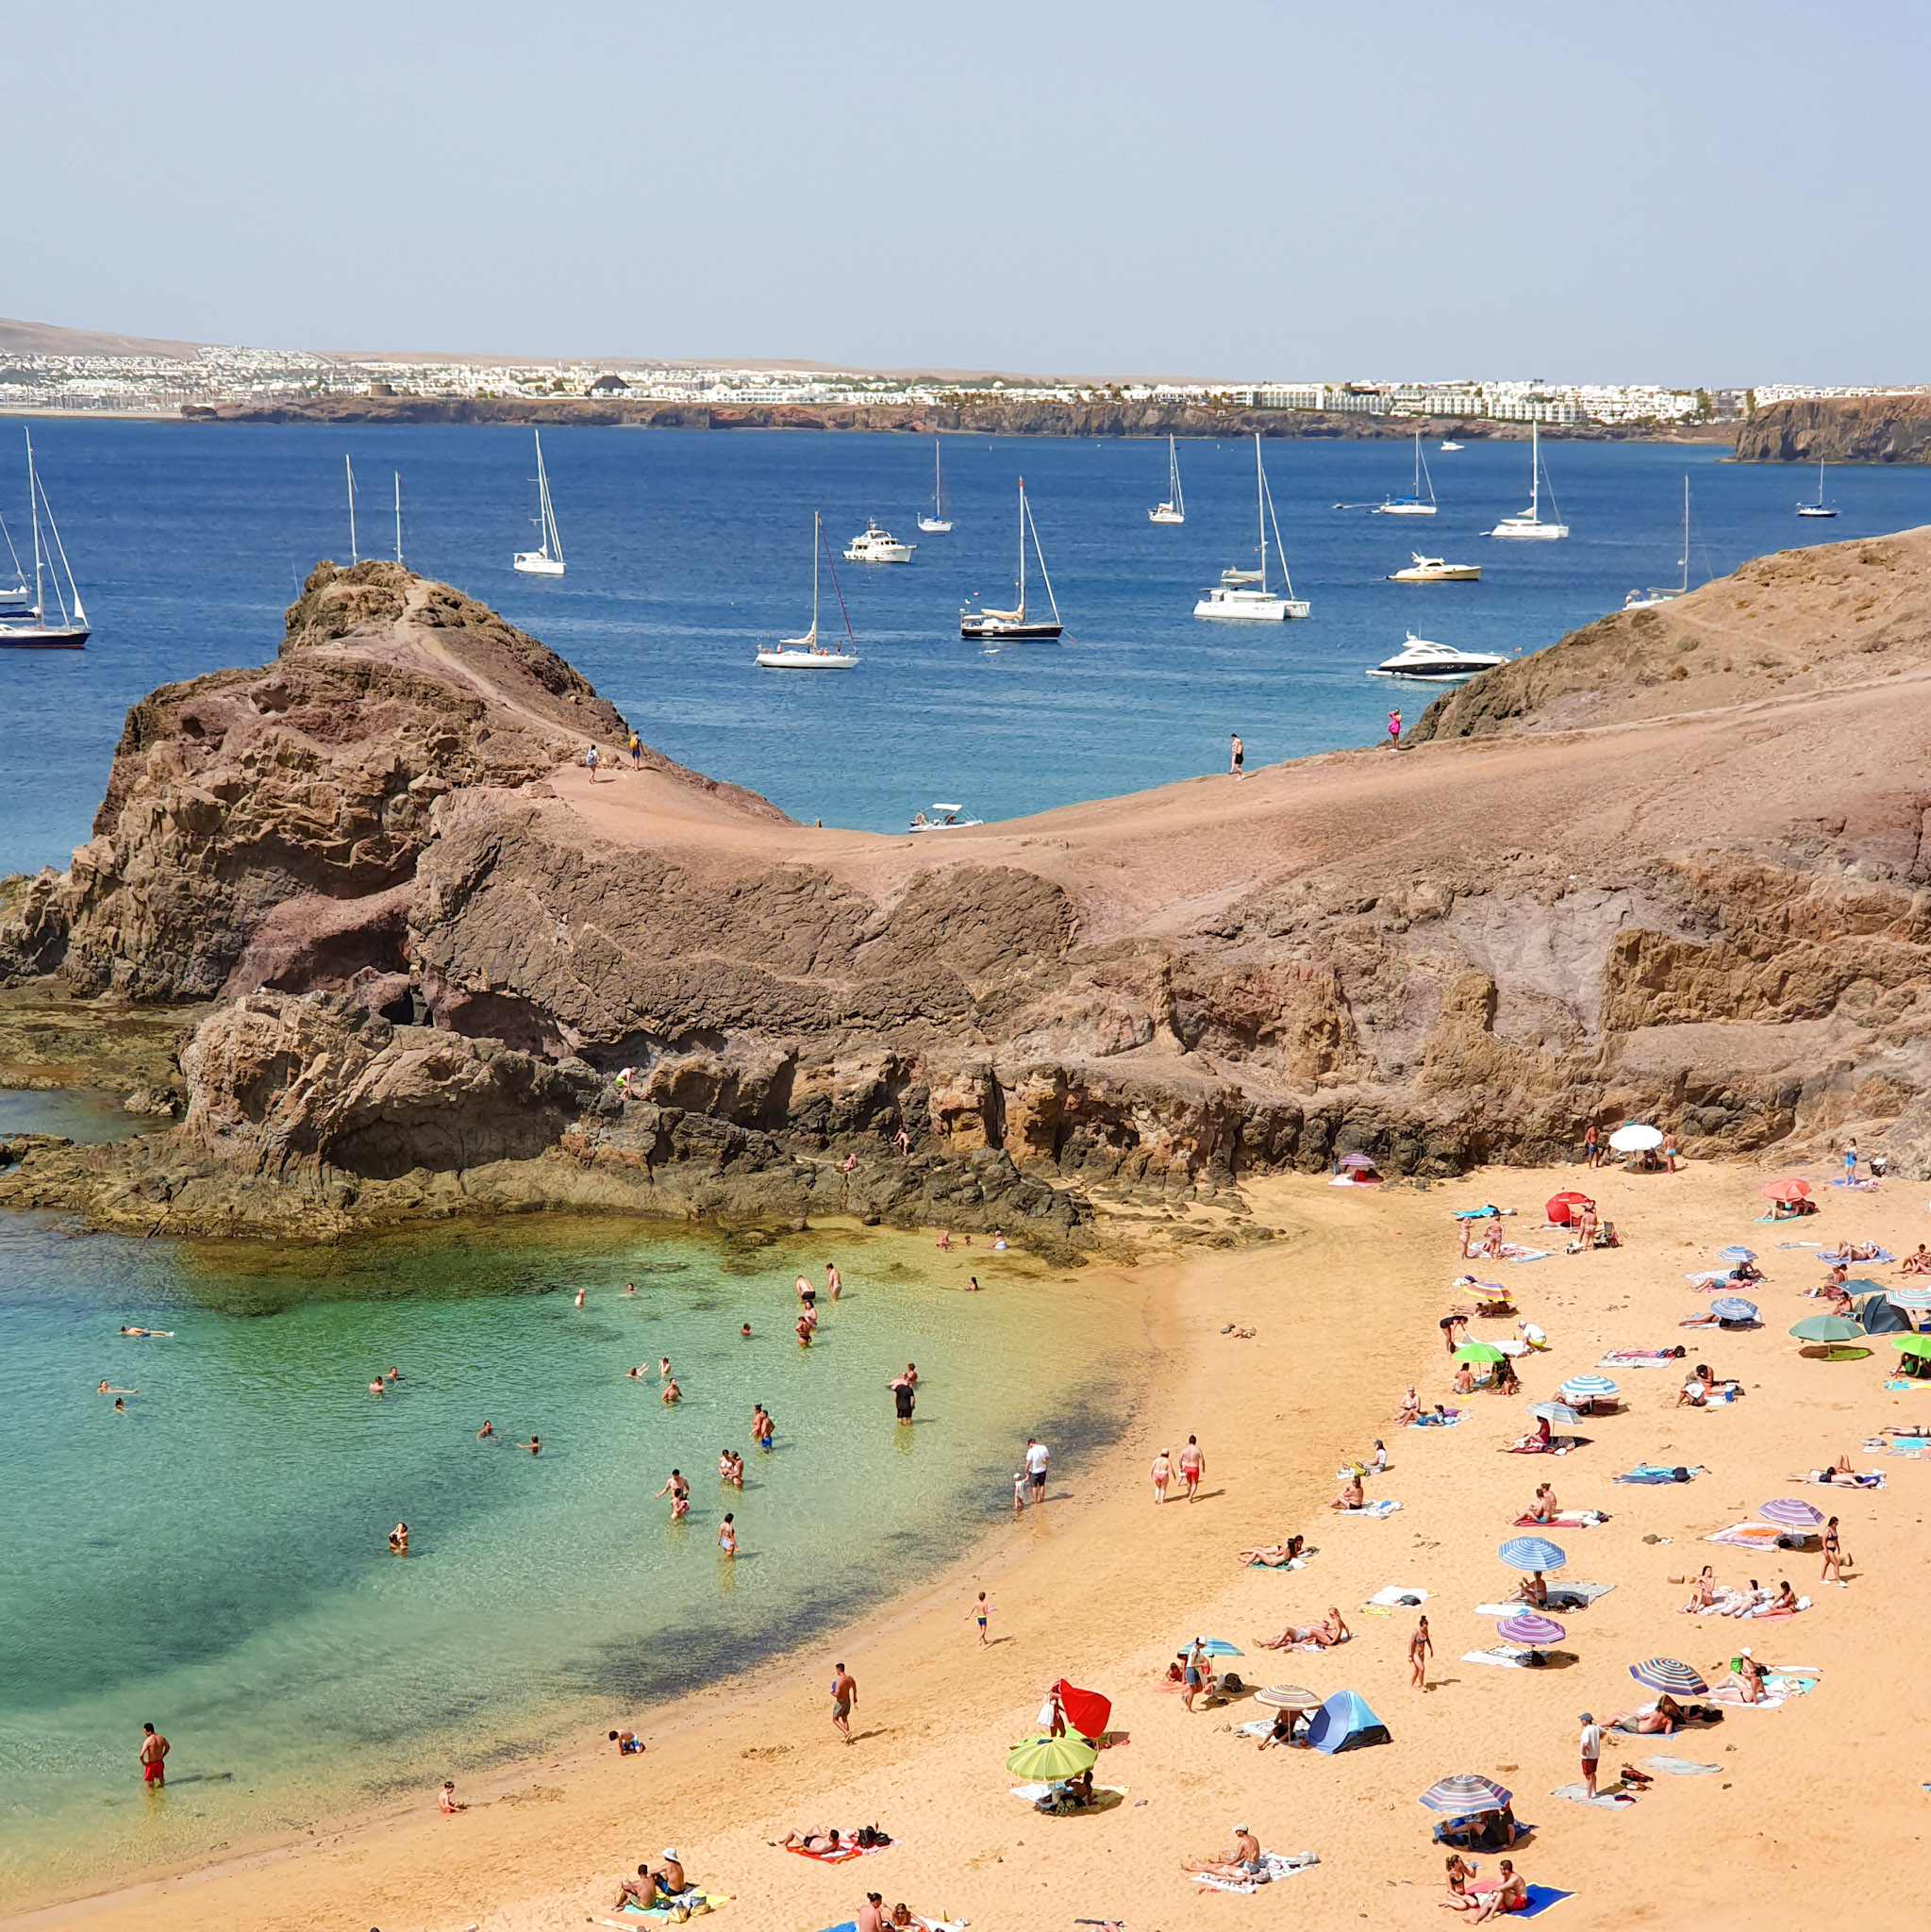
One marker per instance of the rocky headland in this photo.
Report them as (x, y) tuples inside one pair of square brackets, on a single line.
[(1839, 429), (419, 964)]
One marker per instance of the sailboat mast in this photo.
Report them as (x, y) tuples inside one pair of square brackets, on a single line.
[(1417, 466), (349, 469), (33, 505), (1535, 467), (397, 475), (817, 544), (1021, 550), (1260, 508), (1686, 534)]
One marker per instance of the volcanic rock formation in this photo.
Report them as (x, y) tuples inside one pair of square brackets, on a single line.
[(1673, 866), (1839, 429)]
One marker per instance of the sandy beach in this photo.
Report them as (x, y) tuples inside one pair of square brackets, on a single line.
[(1100, 1586)]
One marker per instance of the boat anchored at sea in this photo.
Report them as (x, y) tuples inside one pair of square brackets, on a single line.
[(1175, 509), (948, 821), (1014, 626), (29, 627), (807, 653), (1646, 600), (1425, 661), (546, 560), (1528, 523), (1414, 504), (1435, 570), (1244, 594), (873, 545), (937, 520), (1819, 508)]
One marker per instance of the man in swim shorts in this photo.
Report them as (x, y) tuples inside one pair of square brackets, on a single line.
[(844, 1693), (1237, 754), (1037, 1458), (154, 1752)]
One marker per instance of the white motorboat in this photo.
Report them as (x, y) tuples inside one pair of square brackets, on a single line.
[(1425, 661), (1449, 449), (873, 545), (1647, 600), (1433, 570), (937, 520), (947, 820), (1819, 508), (1528, 523), (546, 560), (807, 653), (25, 626), (1414, 504), (1244, 593), (1014, 626), (1175, 509)]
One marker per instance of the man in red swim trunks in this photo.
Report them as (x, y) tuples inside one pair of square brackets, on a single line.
[(154, 1751)]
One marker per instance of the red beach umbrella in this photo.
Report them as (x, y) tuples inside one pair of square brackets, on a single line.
[(1786, 1191), (1087, 1711), (1562, 1208)]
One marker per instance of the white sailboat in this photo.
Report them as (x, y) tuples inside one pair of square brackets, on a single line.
[(1014, 626), (1175, 509), (1644, 600), (1244, 593), (1415, 504), (31, 627), (938, 522), (397, 475), (349, 470), (807, 653), (548, 559), (1819, 508), (1528, 523)]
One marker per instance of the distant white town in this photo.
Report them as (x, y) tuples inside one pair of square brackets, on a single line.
[(164, 385)]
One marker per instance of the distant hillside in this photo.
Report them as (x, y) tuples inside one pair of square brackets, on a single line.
[(49, 338), (1839, 429)]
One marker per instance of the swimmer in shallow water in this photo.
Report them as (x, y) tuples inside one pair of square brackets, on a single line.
[(679, 1492), (744, 1330), (399, 1541), (672, 1392), (105, 1389), (486, 1432), (727, 1536), (120, 1406), (534, 1446)]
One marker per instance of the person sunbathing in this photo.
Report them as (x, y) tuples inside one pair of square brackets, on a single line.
[(1541, 1442), (1410, 1407), (1545, 1509), (1749, 1673), (1785, 1599), (1324, 1635), (640, 1891), (1460, 1899), (817, 1843), (1464, 1383), (1510, 1896), (1351, 1496), (1245, 1862), (1837, 1300), (1273, 1556), (1485, 1831), (1918, 1263), (1533, 1589), (1282, 1730), (1702, 1592)]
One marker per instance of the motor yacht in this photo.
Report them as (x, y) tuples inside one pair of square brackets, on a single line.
[(1433, 570), (1425, 660), (873, 545)]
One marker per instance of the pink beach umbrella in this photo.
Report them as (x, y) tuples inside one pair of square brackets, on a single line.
[(1535, 1631), (1787, 1512)]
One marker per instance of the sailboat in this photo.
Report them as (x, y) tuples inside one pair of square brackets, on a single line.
[(1014, 625), (1414, 505), (807, 653), (1175, 509), (1819, 508), (397, 475), (1244, 593), (349, 469), (1528, 523), (1450, 447), (548, 559), (29, 626), (937, 520), (1646, 600)]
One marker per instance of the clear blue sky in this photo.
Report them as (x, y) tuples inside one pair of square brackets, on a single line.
[(1683, 193)]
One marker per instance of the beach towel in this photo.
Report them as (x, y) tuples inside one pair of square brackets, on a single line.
[(1731, 1697), (1273, 1865), (1540, 1898), (1748, 1536), (1578, 1596), (1859, 1184), (1800, 1245), (1840, 1259), (1577, 1793), (660, 1915), (1505, 1655), (1654, 1473), (1396, 1596), (1641, 1359), (845, 1850), (1679, 1767), (1384, 1505), (1033, 1793), (1511, 1253), (1584, 1519)]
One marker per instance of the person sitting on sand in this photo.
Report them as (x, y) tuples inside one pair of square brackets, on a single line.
[(1282, 1730), (1377, 1461), (1696, 1391), (1410, 1407), (1918, 1263), (1836, 1298), (1506, 1381), (1245, 1862), (1533, 1589), (1746, 1270), (1749, 1673), (446, 1800), (1702, 1592), (1785, 1599), (1541, 1442), (1272, 1556), (1545, 1509), (1510, 1896), (1351, 1496), (1464, 1383), (640, 1891)]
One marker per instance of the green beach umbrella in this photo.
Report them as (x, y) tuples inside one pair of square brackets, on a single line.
[(1051, 1758), (1479, 1352), (1912, 1345), (1827, 1329)]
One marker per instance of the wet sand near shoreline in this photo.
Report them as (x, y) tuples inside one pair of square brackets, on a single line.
[(1812, 1811)]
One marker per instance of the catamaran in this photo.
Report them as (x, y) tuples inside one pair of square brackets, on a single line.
[(937, 520), (1415, 504), (1014, 626), (1644, 600), (29, 627), (1819, 508), (1244, 593), (1175, 509), (546, 560), (1528, 523), (807, 653)]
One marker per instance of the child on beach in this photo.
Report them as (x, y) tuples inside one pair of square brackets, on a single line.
[(981, 1611)]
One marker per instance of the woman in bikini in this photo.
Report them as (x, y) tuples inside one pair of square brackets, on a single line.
[(1702, 1592), (1833, 1553), (1162, 1474)]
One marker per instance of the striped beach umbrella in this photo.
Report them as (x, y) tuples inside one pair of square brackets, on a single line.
[(1464, 1795), (1289, 1697), (1667, 1677), (1733, 1254), (1531, 1552), (1530, 1628), (1791, 1513), (1586, 1388), (1559, 1413), (1732, 1307), (1915, 1299)]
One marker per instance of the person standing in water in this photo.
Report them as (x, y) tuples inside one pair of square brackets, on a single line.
[(903, 1398), (579, 1297), (727, 1536), (399, 1541), (1037, 1457), (679, 1492), (154, 1755), (834, 1281)]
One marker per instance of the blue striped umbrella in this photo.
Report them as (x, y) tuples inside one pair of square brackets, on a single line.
[(1586, 1388), (1536, 1631), (1918, 1299), (1531, 1552), (1666, 1676), (1791, 1513), (1733, 1254), (1464, 1795), (1554, 1411), (1732, 1307)]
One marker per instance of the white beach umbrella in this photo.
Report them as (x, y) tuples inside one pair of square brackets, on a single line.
[(1633, 1137)]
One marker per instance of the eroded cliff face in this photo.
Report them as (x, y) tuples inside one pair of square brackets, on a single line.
[(1673, 867), (1839, 429)]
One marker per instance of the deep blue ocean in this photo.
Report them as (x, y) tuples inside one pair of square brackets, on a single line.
[(686, 549)]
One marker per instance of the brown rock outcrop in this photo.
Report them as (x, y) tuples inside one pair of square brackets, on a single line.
[(1839, 429)]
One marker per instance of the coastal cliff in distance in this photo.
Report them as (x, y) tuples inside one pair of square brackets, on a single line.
[(1674, 866), (1839, 429), (1017, 415)]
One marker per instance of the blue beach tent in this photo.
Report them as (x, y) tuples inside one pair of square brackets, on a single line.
[(1344, 1723), (1879, 1316)]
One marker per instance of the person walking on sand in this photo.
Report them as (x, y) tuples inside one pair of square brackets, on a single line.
[(1421, 1645), (589, 759), (1162, 1474), (1193, 1467), (154, 1754), (981, 1611), (1591, 1745), (1237, 753), (1832, 1554), (1019, 1489), (1593, 1146), (844, 1693), (1037, 1458)]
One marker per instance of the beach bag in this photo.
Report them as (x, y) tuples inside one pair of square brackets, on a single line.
[(1044, 1719), (1679, 1474)]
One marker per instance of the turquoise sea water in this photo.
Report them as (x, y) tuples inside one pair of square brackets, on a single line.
[(214, 1560)]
